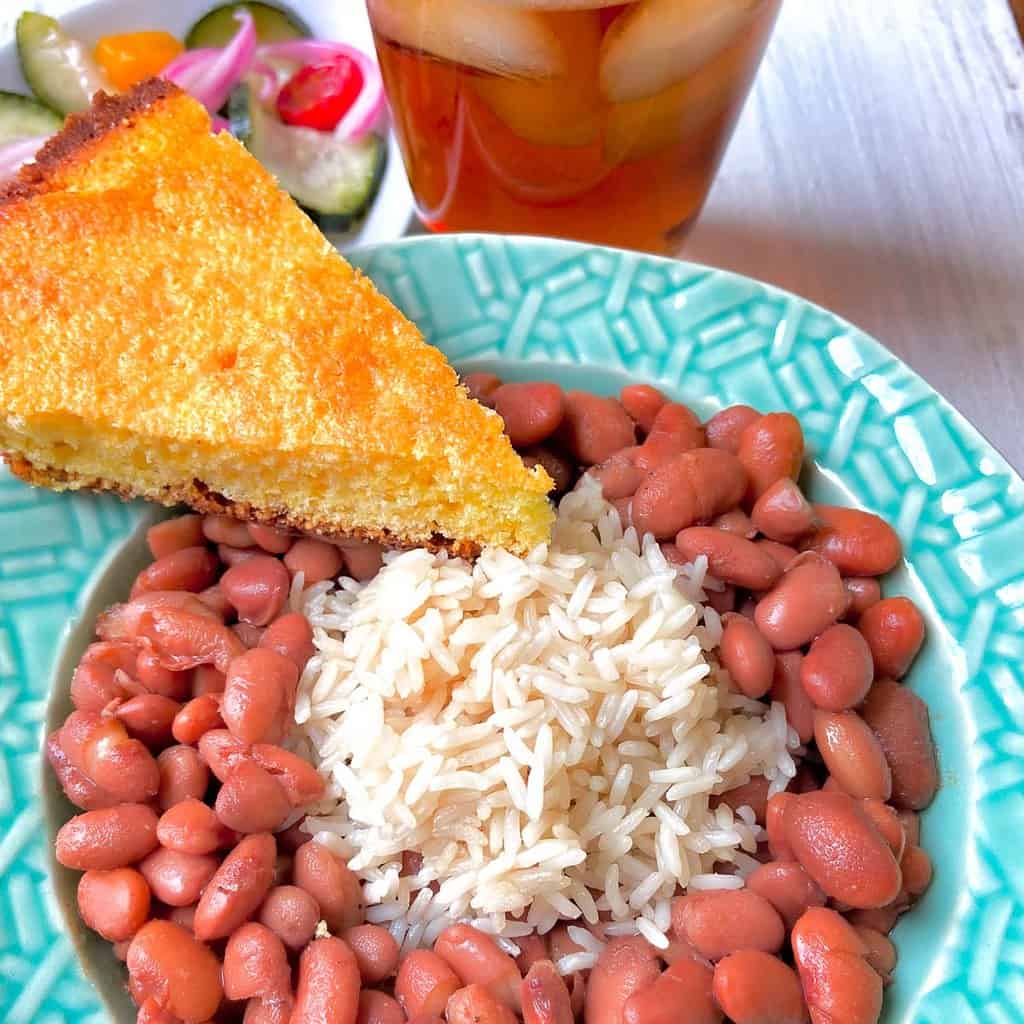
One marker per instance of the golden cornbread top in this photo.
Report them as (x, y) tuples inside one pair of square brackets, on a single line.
[(157, 281)]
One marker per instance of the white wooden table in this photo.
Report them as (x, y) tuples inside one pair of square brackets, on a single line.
[(878, 169)]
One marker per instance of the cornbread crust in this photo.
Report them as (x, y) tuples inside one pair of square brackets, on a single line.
[(107, 112), (199, 497), (347, 374)]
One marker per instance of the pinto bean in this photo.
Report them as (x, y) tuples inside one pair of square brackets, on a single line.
[(258, 588), (642, 403), (619, 475), (175, 878), (782, 513), (379, 1008), (172, 535), (81, 790), (725, 428), (864, 592), (191, 827), (182, 640), (291, 914), (532, 948), (837, 672), (95, 685), (301, 782), (557, 467), (593, 428), (787, 887), (737, 522), (148, 718), (894, 631), (881, 953), (191, 569), (101, 748), (675, 430), (887, 821), (838, 982), (375, 950), (699, 484), (771, 448), (838, 845), (788, 690), (292, 636), (916, 866), (256, 965), (198, 717), (251, 800), (852, 754), (808, 599), (114, 903), (775, 825), (476, 1004), (258, 692), (544, 996), (625, 966), (482, 386), (858, 543), (718, 922), (783, 555), (167, 964), (732, 559), (112, 837), (156, 679), (226, 530), (122, 622), (746, 656), (424, 984), (328, 984), (532, 411), (269, 538), (752, 794), (331, 882), (238, 887), (315, 559), (221, 752), (362, 560), (681, 994), (478, 960), (754, 987), (899, 719)]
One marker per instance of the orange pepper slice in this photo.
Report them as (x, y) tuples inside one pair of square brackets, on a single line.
[(130, 57)]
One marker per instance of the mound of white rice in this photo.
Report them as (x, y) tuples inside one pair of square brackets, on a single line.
[(546, 732)]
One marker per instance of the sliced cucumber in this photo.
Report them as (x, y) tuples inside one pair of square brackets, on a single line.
[(273, 25), (335, 181), (22, 117), (239, 120), (58, 68)]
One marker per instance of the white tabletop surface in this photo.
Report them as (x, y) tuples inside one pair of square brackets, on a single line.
[(878, 169)]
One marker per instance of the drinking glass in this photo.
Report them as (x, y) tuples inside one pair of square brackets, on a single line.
[(588, 119)]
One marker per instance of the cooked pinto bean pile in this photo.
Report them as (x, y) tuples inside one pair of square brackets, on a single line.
[(193, 863)]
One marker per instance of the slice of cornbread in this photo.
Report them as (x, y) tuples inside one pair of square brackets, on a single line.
[(173, 327)]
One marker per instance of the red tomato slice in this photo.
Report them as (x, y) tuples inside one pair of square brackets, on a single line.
[(319, 95)]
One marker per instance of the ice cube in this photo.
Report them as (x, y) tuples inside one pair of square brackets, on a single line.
[(481, 35), (680, 113), (564, 111), (659, 42)]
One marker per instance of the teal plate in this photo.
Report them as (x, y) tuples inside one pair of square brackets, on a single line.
[(879, 437)]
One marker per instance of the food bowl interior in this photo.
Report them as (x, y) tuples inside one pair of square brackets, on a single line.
[(469, 296)]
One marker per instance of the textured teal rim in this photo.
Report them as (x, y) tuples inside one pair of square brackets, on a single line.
[(596, 317)]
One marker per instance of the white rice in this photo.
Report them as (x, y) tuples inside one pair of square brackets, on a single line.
[(546, 732)]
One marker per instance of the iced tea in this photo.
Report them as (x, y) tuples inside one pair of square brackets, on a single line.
[(579, 118)]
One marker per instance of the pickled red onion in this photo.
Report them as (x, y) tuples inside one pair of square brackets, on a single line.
[(16, 154), (365, 114), (210, 74)]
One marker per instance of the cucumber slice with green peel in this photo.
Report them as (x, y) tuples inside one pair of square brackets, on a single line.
[(58, 68), (272, 24), (22, 117), (239, 120), (334, 180)]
